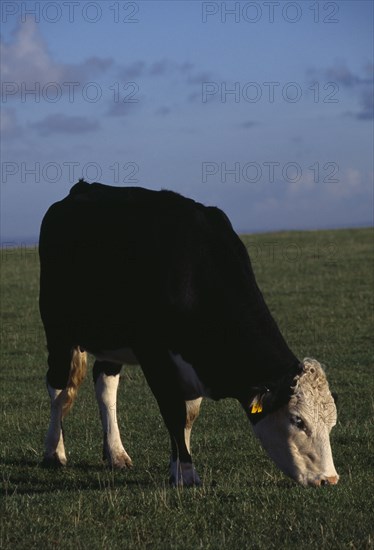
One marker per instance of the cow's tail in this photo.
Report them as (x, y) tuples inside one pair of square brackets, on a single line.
[(78, 369)]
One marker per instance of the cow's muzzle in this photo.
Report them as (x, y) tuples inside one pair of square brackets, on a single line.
[(324, 481)]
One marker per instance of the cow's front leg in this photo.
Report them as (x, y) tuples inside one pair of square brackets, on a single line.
[(192, 412), (162, 378), (185, 473), (182, 470), (106, 379), (54, 454)]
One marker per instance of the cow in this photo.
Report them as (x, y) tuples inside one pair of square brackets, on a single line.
[(132, 275)]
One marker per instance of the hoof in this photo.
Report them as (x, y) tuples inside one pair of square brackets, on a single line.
[(116, 457), (120, 462), (53, 462), (183, 475)]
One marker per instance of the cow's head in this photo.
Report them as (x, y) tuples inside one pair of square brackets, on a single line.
[(296, 435)]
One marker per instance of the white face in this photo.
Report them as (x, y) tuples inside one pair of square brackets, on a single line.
[(297, 436)]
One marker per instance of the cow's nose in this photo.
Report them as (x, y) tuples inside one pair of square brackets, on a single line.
[(333, 480)]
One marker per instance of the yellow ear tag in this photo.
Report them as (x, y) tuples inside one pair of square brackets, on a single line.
[(257, 404)]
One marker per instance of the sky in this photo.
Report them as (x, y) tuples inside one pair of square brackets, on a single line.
[(264, 108)]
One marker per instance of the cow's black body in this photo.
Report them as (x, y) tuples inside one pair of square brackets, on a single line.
[(157, 273), (130, 267)]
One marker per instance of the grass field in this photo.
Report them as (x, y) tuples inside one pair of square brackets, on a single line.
[(319, 286)]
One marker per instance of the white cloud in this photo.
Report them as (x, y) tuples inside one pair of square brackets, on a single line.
[(25, 60), (26, 57), (306, 184), (350, 184)]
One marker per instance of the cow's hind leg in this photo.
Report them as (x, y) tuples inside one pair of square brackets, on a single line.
[(54, 454), (67, 367), (106, 379), (162, 378)]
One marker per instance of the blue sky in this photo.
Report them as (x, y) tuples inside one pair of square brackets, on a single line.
[(262, 108)]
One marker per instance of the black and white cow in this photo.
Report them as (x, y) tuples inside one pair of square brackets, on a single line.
[(133, 275)]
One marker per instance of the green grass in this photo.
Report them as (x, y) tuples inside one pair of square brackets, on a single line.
[(319, 285)]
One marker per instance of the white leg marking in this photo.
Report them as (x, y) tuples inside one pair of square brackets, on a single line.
[(192, 412), (106, 395), (54, 443)]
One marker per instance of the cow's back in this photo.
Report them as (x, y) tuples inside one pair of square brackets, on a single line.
[(112, 255)]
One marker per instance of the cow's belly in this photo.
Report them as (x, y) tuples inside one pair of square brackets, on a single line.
[(120, 356), (190, 384)]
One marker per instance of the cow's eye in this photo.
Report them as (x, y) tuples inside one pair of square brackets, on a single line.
[(298, 422)]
